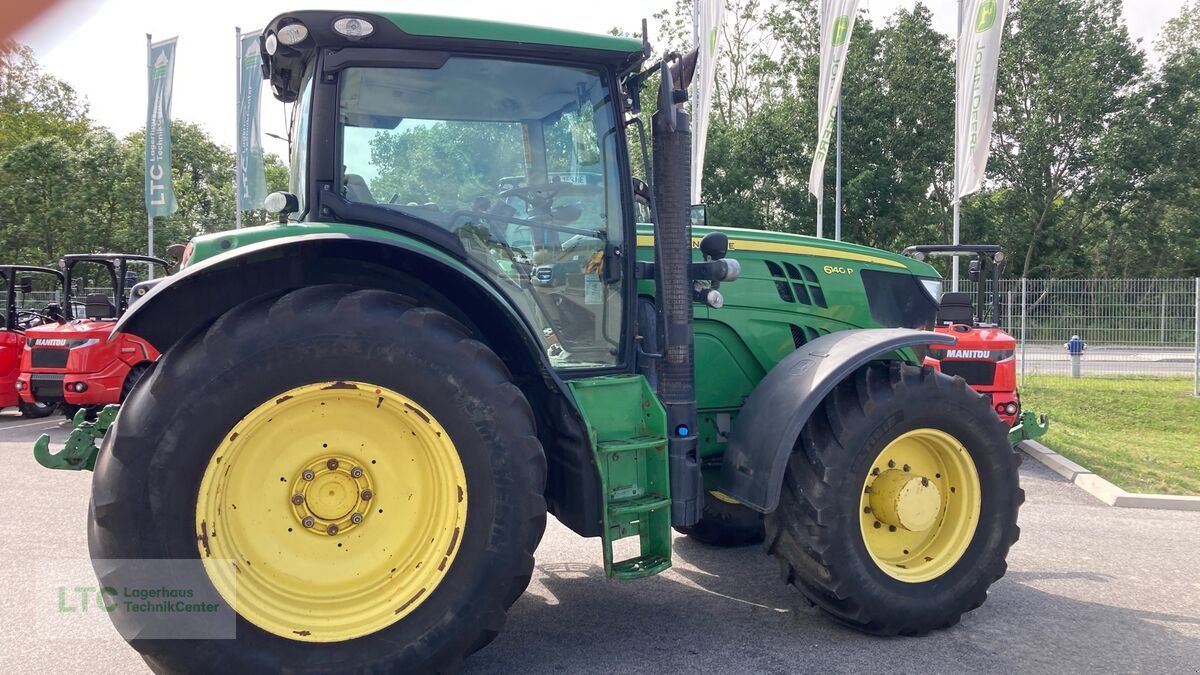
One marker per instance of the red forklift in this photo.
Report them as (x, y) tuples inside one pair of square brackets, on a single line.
[(984, 354), (24, 309), (73, 364)]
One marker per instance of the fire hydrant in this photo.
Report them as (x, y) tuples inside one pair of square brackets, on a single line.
[(1075, 347)]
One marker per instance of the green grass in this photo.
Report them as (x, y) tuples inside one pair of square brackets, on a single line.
[(1141, 434)]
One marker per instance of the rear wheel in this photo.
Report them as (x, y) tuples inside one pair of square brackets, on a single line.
[(37, 410), (725, 523), (372, 471), (135, 375), (900, 502)]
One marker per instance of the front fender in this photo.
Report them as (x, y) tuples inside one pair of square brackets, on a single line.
[(769, 423)]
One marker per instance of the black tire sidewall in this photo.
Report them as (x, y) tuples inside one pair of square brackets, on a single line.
[(173, 451)]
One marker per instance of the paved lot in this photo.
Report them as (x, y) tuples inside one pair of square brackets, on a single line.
[(1089, 588)]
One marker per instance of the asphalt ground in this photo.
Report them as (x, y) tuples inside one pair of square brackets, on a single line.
[(1090, 588)]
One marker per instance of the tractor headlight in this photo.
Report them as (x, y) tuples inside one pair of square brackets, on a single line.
[(934, 288), (292, 34), (353, 27)]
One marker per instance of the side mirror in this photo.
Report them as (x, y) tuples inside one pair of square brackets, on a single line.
[(714, 246), (26, 284), (699, 215), (282, 203), (973, 270)]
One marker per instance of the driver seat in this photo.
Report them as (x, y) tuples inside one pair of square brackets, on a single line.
[(956, 308), (357, 190), (97, 306)]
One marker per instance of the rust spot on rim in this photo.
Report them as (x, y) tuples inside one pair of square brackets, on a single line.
[(420, 414), (203, 538), (453, 541), (460, 494), (406, 605), (302, 633), (339, 385), (234, 436), (442, 565), (282, 399)]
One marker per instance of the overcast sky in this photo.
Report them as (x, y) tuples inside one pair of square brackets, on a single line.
[(99, 46)]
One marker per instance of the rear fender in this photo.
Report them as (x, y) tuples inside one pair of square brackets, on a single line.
[(769, 424), (190, 300)]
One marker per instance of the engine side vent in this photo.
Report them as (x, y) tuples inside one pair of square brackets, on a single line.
[(798, 337), (802, 335), (798, 284)]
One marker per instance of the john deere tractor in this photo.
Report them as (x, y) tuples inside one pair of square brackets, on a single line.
[(363, 413)]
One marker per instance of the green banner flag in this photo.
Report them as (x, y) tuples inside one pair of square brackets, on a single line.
[(160, 65), (251, 179)]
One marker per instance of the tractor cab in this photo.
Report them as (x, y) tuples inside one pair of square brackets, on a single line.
[(32, 297), (72, 362), (984, 354)]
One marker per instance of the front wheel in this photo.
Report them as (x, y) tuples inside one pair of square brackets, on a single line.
[(899, 503), (360, 479)]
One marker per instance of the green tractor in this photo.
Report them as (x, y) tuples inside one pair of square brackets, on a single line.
[(364, 413)]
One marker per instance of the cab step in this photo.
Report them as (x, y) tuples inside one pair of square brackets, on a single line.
[(627, 428)]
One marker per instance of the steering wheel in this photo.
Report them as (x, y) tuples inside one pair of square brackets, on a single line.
[(541, 197), (27, 318)]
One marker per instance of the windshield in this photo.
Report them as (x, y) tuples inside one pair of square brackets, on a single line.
[(516, 158)]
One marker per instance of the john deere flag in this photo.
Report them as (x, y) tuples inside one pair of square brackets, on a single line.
[(160, 195), (978, 53), (252, 182), (837, 23), (706, 24)]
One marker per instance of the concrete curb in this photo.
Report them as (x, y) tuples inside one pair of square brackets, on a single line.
[(1101, 489)]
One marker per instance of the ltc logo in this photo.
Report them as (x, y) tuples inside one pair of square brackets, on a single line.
[(841, 30), (986, 17), (252, 52), (160, 65)]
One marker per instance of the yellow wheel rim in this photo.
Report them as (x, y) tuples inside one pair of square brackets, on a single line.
[(331, 511), (920, 505)]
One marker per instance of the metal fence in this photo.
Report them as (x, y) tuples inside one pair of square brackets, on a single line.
[(1132, 327)]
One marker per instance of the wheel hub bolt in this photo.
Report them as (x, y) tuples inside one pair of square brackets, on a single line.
[(297, 499), (356, 518), (309, 522), (331, 530), (367, 494), (891, 464), (907, 467), (332, 464), (356, 472), (308, 475)]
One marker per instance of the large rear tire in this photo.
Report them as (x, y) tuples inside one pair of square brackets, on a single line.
[(326, 393), (899, 503)]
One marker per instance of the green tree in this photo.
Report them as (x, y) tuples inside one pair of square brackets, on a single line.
[(1067, 71)]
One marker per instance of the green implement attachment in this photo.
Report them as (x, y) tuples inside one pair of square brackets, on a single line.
[(627, 429), (81, 449), (1031, 426)]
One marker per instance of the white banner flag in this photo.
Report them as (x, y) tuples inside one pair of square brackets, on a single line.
[(837, 23), (706, 26), (978, 54)]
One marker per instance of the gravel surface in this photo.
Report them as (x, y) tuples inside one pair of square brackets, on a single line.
[(1089, 588)]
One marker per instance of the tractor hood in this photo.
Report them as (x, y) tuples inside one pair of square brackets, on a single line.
[(836, 253), (68, 334)]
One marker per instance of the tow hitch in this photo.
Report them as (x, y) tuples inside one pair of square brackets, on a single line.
[(82, 447), (1031, 426)]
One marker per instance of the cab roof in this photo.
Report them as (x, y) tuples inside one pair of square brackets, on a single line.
[(497, 31)]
